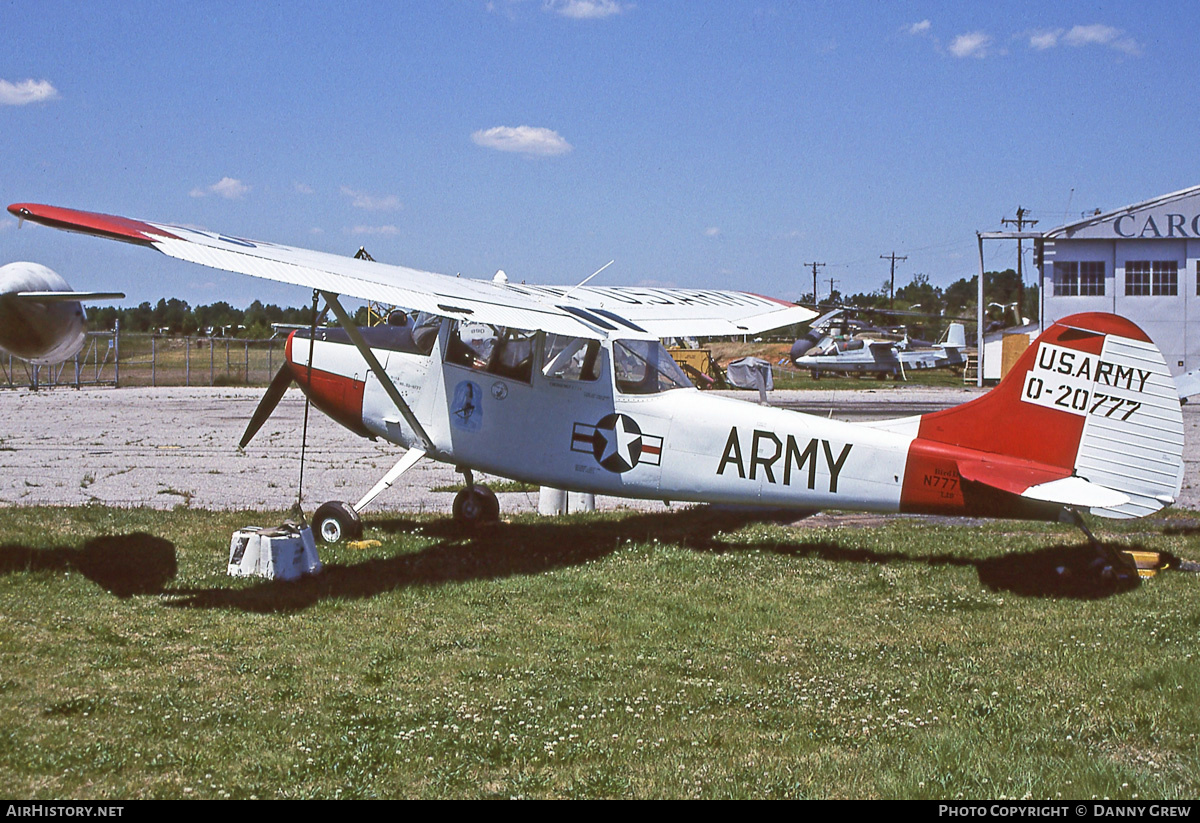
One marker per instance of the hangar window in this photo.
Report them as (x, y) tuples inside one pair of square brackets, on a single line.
[(1085, 279), (1151, 277)]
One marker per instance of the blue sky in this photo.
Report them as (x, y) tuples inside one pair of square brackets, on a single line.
[(697, 143)]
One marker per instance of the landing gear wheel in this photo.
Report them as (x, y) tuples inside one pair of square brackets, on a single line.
[(336, 521), (476, 506)]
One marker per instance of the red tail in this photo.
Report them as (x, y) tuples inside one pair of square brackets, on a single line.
[(1091, 400)]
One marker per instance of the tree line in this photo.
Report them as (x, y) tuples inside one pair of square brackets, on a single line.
[(220, 319), (937, 305)]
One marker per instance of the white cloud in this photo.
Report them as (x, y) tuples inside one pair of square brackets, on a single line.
[(919, 28), (26, 91), (1080, 36), (522, 139), (972, 44), (302, 188), (712, 231), (1101, 35), (373, 230), (1042, 40), (371, 202), (586, 9), (227, 187)]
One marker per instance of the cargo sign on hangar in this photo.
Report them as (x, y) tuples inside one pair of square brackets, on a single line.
[(1141, 262)]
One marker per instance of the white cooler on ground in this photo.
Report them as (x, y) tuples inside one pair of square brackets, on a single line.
[(284, 552)]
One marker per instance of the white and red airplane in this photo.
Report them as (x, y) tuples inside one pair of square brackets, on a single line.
[(41, 318), (571, 388)]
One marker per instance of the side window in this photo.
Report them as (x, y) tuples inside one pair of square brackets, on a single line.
[(471, 345), (571, 358), (513, 356), (497, 350)]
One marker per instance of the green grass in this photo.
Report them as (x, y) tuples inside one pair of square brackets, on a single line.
[(636, 655)]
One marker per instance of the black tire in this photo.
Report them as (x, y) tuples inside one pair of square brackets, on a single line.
[(476, 506), (336, 521)]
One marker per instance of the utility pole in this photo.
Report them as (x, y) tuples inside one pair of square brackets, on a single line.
[(816, 302), (893, 258), (1020, 222)]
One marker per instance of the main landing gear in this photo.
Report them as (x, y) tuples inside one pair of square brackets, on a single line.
[(476, 505), (335, 521)]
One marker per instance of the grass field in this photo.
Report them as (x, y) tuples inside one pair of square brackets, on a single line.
[(619, 655)]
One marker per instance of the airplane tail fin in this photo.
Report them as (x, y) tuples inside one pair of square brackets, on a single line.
[(1089, 417), (956, 336)]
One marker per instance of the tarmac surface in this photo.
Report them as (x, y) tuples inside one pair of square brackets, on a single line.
[(169, 447)]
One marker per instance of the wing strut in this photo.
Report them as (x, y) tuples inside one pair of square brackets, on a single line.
[(356, 337), (406, 462)]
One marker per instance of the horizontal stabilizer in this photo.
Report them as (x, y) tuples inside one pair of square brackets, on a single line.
[(54, 296), (1075, 491)]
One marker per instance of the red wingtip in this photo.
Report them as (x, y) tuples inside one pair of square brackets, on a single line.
[(87, 222)]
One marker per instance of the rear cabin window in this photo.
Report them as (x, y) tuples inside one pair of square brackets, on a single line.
[(496, 350)]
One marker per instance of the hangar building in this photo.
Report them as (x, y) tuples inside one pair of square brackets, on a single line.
[(1141, 262)]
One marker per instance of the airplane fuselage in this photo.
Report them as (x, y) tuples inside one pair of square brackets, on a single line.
[(588, 435)]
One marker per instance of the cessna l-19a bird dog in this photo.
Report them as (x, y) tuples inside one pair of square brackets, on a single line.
[(41, 318), (571, 388)]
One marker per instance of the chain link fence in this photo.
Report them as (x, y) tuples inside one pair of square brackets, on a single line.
[(142, 359)]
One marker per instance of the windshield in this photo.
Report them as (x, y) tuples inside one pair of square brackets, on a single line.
[(645, 367)]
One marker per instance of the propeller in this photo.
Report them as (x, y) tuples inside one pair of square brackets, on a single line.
[(280, 383)]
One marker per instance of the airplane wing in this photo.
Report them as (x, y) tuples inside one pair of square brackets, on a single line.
[(884, 352), (586, 311)]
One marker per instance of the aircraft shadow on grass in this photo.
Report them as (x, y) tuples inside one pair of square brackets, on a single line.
[(123, 565), (535, 547)]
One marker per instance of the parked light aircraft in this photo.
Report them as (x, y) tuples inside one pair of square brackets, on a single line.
[(41, 318), (574, 390), (880, 357)]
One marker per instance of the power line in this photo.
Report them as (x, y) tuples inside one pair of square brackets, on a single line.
[(893, 258), (814, 270)]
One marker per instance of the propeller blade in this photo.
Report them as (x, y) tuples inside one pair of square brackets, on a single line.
[(279, 384)]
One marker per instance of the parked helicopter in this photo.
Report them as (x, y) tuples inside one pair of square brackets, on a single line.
[(575, 390), (41, 318)]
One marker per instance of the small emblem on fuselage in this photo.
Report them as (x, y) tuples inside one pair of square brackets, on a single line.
[(466, 410), (617, 443), (499, 390)]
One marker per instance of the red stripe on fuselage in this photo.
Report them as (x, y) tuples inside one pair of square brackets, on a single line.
[(336, 395)]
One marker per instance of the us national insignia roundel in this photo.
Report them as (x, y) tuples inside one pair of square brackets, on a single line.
[(617, 443)]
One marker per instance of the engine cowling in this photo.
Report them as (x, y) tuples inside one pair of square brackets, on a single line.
[(40, 319)]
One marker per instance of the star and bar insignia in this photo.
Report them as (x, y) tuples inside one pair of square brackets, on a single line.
[(617, 443)]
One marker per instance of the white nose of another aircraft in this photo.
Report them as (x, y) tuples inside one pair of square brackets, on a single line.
[(41, 319)]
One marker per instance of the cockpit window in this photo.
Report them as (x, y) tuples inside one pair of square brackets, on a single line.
[(645, 367), (571, 358)]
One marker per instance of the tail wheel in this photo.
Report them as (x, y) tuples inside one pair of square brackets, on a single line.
[(476, 505), (336, 521)]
